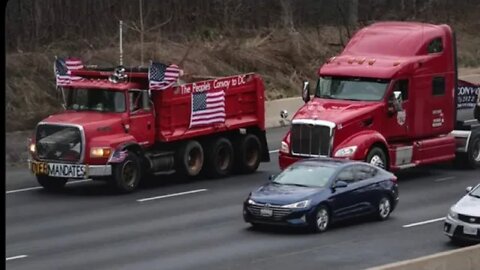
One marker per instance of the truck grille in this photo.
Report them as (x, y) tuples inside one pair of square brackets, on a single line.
[(59, 143), (310, 140), (278, 212)]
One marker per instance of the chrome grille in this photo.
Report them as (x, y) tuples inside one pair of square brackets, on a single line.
[(59, 143), (469, 219), (278, 212), (310, 140)]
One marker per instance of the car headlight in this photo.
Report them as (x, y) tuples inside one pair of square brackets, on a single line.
[(346, 151), (284, 148), (250, 201), (99, 152), (298, 205), (453, 214)]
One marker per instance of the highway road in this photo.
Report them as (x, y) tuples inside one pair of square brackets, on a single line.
[(198, 225)]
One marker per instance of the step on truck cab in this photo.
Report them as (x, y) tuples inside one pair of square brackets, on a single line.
[(391, 98), (123, 125)]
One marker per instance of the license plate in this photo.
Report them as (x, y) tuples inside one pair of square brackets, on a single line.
[(469, 230), (266, 212), (59, 170)]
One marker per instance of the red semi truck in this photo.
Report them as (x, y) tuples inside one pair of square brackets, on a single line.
[(115, 127), (391, 98)]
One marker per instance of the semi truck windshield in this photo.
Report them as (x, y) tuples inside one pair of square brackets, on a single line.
[(102, 100), (345, 88)]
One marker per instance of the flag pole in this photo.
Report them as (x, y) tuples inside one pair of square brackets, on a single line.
[(121, 45)]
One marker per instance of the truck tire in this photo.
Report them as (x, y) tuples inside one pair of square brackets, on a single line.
[(249, 152), (473, 153), (476, 113), (376, 156), (127, 174), (219, 158), (189, 159), (51, 183)]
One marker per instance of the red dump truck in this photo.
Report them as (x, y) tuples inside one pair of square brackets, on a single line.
[(124, 124), (391, 98)]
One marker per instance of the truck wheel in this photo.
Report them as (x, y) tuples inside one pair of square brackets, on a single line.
[(248, 151), (189, 159), (377, 157), (127, 174), (473, 153), (51, 183), (219, 158), (476, 113)]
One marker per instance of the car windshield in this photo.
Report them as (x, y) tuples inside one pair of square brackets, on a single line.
[(305, 175), (475, 192), (346, 88), (89, 99)]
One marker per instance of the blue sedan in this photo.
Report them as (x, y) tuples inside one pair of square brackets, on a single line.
[(314, 193)]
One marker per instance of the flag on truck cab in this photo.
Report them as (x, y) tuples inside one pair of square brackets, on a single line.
[(207, 108), (161, 76), (63, 70)]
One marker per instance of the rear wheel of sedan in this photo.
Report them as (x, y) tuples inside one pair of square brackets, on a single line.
[(322, 219), (384, 208)]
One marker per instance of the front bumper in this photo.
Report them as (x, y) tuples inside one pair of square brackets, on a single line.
[(90, 170), (294, 218), (454, 228), (285, 160)]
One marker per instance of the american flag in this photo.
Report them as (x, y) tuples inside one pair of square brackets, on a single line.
[(207, 108), (63, 70), (118, 156), (161, 76)]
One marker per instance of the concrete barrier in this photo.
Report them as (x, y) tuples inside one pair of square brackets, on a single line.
[(467, 258)]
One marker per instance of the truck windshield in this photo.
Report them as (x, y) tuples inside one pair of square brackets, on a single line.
[(91, 99), (346, 88)]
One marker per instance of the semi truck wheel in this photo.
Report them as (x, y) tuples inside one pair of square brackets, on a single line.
[(377, 157), (127, 174), (248, 151), (189, 159), (473, 153), (51, 183), (219, 158)]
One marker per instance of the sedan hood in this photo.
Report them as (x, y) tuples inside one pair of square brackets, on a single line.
[(278, 194), (468, 205)]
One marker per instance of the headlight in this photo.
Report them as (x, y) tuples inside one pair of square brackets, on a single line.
[(32, 148), (297, 205), (284, 148), (98, 152), (346, 151), (453, 214), (250, 201)]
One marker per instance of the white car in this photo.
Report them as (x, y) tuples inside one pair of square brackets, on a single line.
[(463, 220)]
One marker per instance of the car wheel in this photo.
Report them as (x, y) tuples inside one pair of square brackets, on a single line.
[(384, 208), (377, 157), (51, 183), (127, 174), (322, 219)]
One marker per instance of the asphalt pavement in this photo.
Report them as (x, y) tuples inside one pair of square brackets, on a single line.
[(172, 224)]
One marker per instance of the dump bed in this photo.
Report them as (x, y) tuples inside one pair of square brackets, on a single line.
[(210, 106)]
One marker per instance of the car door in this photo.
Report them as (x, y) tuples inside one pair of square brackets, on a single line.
[(345, 201), (367, 187)]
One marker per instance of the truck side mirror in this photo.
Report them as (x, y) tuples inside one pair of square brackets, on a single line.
[(396, 101), (306, 91)]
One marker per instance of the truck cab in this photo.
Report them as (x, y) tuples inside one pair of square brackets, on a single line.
[(389, 99)]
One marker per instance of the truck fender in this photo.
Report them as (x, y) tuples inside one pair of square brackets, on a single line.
[(121, 151), (364, 141), (119, 144)]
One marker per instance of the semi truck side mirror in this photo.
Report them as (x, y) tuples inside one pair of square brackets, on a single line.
[(306, 91), (396, 101)]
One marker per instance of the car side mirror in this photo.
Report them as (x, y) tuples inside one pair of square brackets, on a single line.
[(306, 91), (271, 177), (340, 184), (468, 189)]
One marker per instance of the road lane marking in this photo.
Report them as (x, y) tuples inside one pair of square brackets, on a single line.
[(444, 179), (16, 257), (33, 188), (274, 151), (423, 222), (172, 195)]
